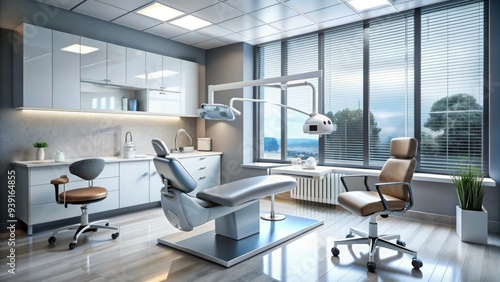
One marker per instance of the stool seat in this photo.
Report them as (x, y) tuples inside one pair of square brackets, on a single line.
[(84, 195)]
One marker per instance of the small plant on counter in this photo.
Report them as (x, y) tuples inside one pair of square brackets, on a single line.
[(469, 187), (40, 145)]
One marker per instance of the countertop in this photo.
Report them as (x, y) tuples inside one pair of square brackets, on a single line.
[(51, 162)]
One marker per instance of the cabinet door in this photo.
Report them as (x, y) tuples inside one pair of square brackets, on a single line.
[(189, 79), (134, 183), (117, 63), (93, 60), (66, 71), (171, 74), (154, 71), (164, 102), (37, 67), (155, 183), (136, 68)]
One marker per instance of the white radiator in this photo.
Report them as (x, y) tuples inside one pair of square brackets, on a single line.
[(323, 190)]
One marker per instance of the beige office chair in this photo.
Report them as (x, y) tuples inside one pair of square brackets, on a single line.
[(87, 169), (393, 194)]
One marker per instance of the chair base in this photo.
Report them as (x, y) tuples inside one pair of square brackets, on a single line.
[(373, 240), (83, 227)]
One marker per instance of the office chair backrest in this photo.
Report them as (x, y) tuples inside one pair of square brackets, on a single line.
[(87, 169), (400, 167), (176, 173)]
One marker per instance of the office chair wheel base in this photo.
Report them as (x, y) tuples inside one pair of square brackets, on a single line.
[(107, 224), (335, 251), (350, 235), (52, 240), (401, 243), (417, 264), (371, 266), (115, 235), (72, 245)]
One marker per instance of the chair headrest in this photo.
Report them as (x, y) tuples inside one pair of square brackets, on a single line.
[(87, 169), (176, 173), (160, 148), (404, 147)]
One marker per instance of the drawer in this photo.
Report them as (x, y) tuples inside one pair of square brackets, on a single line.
[(43, 175)]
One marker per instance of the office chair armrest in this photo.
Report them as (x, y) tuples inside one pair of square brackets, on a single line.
[(63, 179), (355, 176), (384, 202)]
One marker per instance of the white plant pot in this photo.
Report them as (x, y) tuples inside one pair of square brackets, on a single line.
[(472, 226), (40, 154)]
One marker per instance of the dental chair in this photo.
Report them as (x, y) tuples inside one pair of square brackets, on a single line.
[(234, 206), (392, 194)]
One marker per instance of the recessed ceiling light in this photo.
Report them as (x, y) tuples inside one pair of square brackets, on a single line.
[(160, 12), (361, 5), (190, 22), (79, 49)]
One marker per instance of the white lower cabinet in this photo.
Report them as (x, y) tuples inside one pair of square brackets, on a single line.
[(204, 169), (155, 183), (134, 183)]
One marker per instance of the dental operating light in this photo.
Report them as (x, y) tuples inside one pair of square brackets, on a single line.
[(316, 123)]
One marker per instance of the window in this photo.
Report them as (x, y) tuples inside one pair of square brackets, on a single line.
[(452, 74), (417, 73)]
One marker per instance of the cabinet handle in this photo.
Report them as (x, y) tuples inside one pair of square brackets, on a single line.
[(202, 177), (203, 167), (154, 173), (163, 93), (162, 87), (202, 158), (145, 174)]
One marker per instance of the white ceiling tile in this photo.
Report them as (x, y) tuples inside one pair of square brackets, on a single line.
[(218, 13), (265, 39), (248, 6), (378, 12), (65, 4), (191, 38), (310, 5), (214, 31), (303, 30), (99, 10), (209, 44), (403, 5), (166, 30), (292, 23), (341, 21), (330, 13), (188, 6), (136, 21), (233, 38), (274, 13), (259, 31), (128, 5), (241, 23)]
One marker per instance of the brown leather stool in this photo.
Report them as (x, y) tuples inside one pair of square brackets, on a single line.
[(87, 169)]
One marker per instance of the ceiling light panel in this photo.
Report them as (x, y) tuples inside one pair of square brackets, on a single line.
[(190, 22), (79, 49), (362, 5), (160, 12)]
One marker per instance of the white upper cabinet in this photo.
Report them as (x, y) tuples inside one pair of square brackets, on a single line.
[(189, 88), (136, 68), (66, 70), (33, 64), (171, 74), (117, 64), (93, 60), (154, 71)]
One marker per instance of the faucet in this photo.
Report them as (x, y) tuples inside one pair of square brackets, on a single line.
[(177, 134)]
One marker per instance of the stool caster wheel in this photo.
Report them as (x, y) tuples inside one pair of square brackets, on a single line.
[(115, 235), (52, 239), (350, 235), (72, 246), (417, 264), (335, 251), (401, 243), (371, 266)]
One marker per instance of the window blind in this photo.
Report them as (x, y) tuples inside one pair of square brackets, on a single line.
[(343, 94), (452, 64), (391, 83)]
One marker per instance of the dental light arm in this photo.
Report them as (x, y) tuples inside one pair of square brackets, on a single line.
[(236, 112)]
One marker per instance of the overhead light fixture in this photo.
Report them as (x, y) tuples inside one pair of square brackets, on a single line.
[(79, 49), (361, 5), (160, 12), (317, 124), (190, 22)]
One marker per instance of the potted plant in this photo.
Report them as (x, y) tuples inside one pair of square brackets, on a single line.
[(471, 216), (40, 152)]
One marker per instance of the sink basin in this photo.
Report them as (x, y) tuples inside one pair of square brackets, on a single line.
[(189, 149)]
